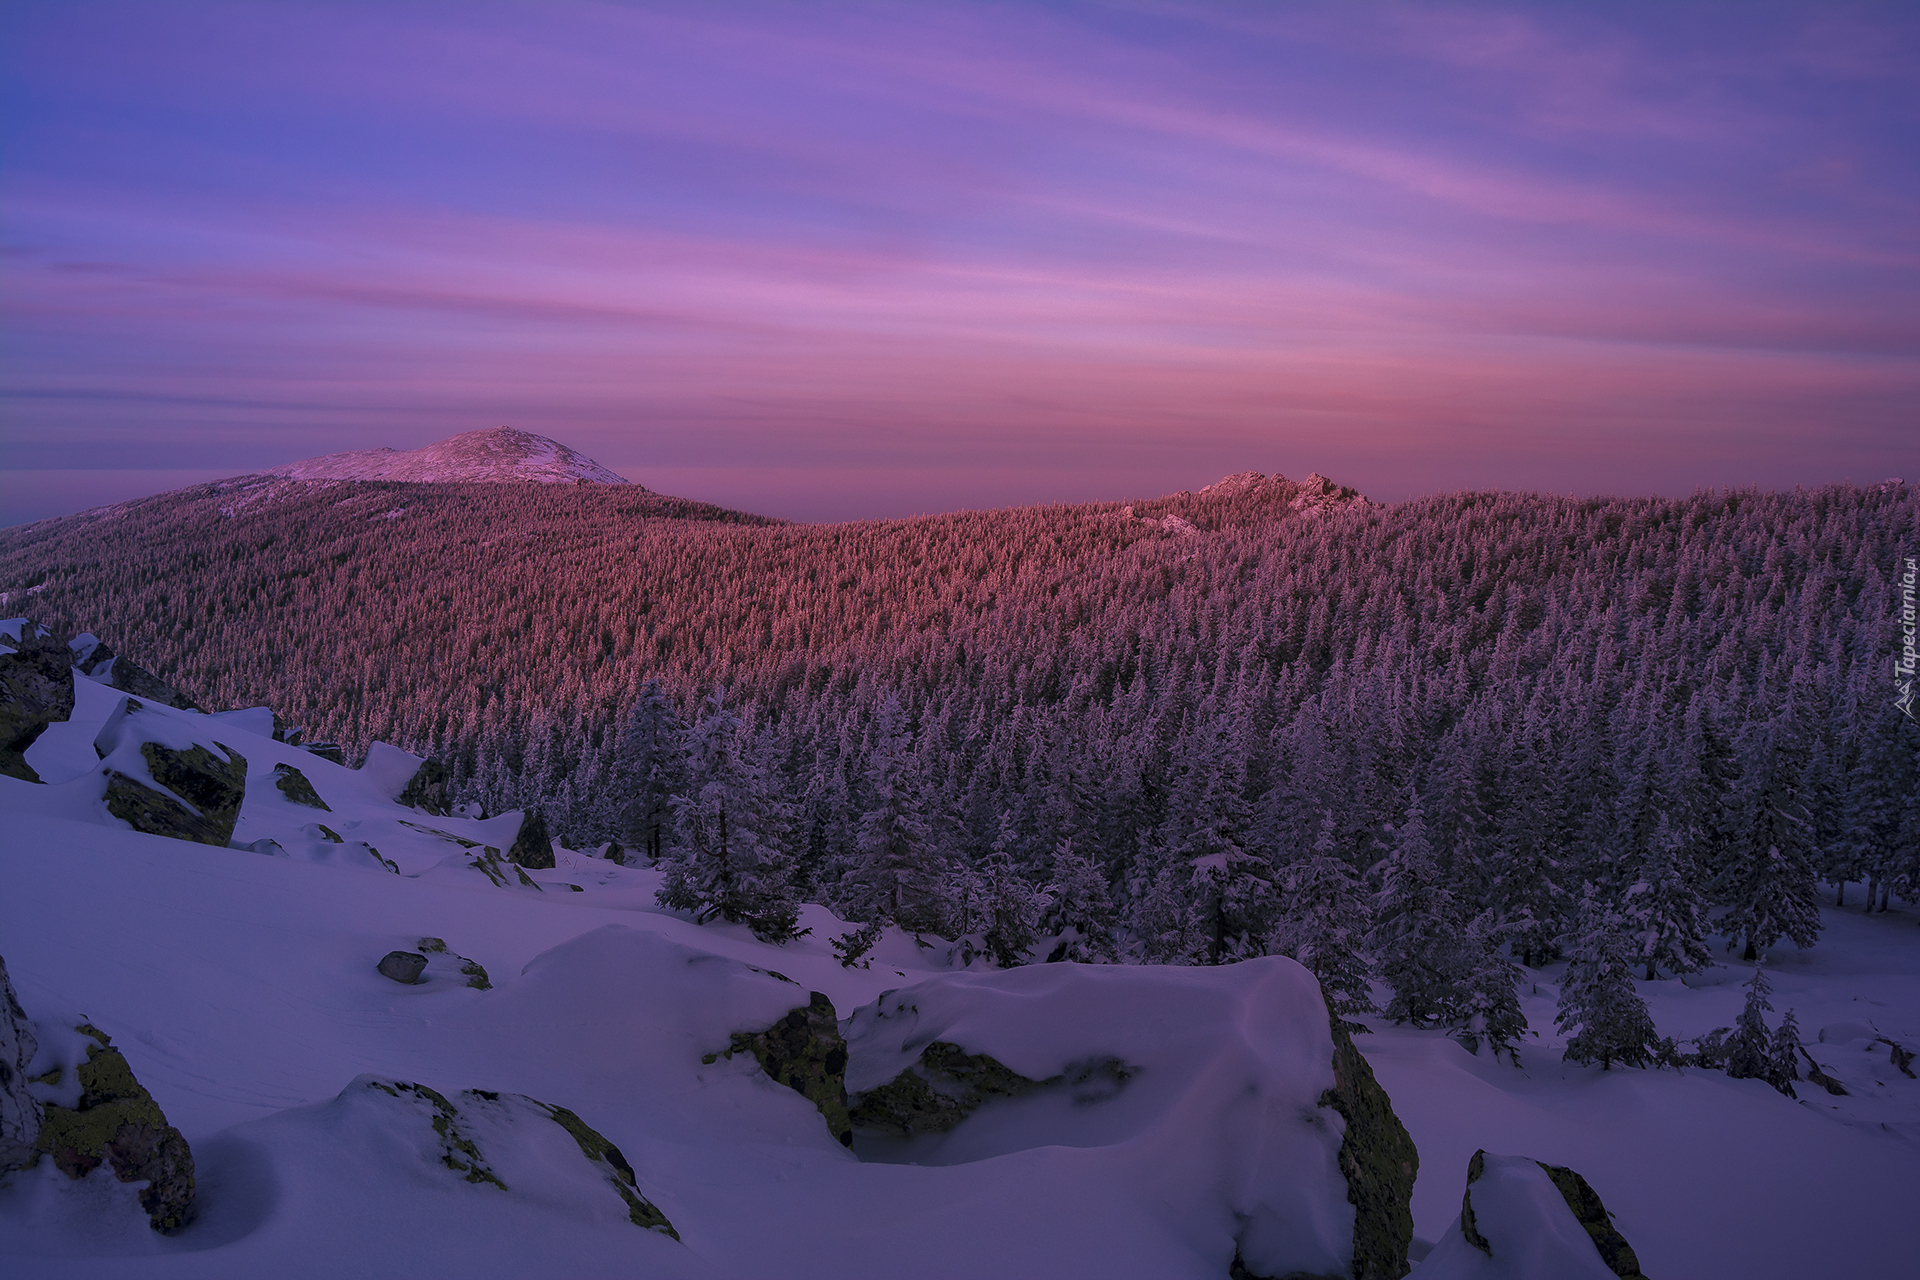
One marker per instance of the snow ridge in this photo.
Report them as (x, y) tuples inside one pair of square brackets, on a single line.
[(501, 455)]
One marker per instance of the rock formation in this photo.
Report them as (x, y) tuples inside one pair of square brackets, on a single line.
[(805, 1052), (294, 786), (116, 1122), (533, 847), (19, 1109)]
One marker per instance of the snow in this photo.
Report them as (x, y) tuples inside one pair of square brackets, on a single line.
[(1529, 1230), (243, 992), (499, 455)]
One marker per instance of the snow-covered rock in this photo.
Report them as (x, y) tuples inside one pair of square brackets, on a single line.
[(1218, 1086), (500, 455), (1522, 1220), (19, 1109)]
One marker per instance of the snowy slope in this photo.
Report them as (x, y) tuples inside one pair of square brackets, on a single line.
[(241, 986), (498, 455)]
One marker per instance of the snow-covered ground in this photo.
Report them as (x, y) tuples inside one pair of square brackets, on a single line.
[(241, 986)]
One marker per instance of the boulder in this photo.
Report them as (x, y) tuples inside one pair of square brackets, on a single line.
[(19, 1109), (444, 962), (805, 1052), (116, 1122), (492, 1139), (213, 787), (532, 847), (294, 786), (427, 789), (403, 966), (1521, 1218), (1232, 1089), (36, 689)]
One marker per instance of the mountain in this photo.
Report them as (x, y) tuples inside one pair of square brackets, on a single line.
[(500, 455)]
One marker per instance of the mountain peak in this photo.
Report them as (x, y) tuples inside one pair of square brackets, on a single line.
[(500, 455)]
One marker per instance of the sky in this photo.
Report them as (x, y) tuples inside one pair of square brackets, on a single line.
[(832, 261)]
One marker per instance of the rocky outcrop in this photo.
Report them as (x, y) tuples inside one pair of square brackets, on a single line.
[(949, 1084), (805, 1052), (329, 751), (98, 662), (213, 786), (440, 957), (460, 1122), (294, 786), (427, 789), (19, 1109), (117, 1123), (1580, 1198), (1378, 1159), (532, 847), (36, 689)]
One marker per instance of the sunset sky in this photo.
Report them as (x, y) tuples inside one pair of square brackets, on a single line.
[(831, 261)]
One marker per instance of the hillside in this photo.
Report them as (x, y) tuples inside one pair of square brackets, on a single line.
[(1203, 712)]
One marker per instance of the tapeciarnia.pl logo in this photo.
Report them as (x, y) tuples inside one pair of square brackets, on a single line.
[(1903, 666)]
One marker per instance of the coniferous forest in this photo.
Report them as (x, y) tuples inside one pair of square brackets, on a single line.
[(1423, 743)]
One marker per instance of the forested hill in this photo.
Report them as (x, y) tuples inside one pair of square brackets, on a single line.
[(1488, 703)]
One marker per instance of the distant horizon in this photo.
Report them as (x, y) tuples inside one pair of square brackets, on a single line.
[(649, 479), (850, 262)]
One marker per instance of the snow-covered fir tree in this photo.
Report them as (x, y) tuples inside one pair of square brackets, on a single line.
[(1079, 913), (1749, 1050), (1598, 1003), (1413, 937), (731, 856), (899, 872), (1324, 922), (1230, 892), (1665, 911), (650, 768), (1767, 881), (1486, 1004)]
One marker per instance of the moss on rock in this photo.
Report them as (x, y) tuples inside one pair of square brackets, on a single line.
[(640, 1211), (117, 1123), (1593, 1216), (1377, 1158), (805, 1052), (294, 786), (212, 785), (1581, 1199)]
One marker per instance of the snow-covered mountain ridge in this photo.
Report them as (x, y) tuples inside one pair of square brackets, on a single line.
[(499, 455)]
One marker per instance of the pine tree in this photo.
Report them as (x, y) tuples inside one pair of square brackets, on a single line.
[(1665, 911), (1079, 910), (1598, 997), (899, 873), (1783, 1056), (1231, 895), (1324, 920), (650, 769), (1488, 1003), (1750, 1049), (1767, 885), (731, 858), (1412, 935)]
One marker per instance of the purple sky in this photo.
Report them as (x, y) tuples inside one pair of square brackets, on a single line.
[(842, 261)]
